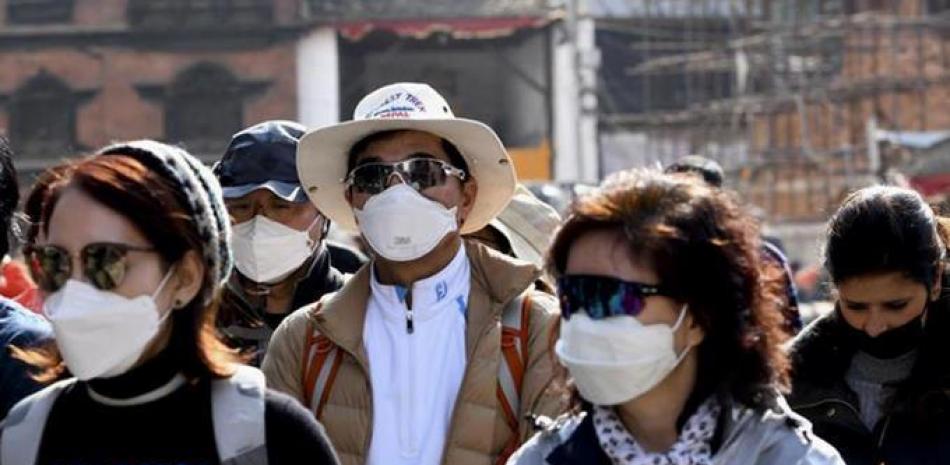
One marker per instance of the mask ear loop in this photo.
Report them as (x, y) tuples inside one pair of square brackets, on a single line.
[(323, 231), (161, 285), (679, 321)]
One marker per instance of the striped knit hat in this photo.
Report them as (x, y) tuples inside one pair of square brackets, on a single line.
[(202, 195)]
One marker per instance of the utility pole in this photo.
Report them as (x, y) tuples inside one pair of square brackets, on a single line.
[(576, 62)]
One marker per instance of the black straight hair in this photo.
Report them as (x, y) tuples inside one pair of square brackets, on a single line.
[(884, 229)]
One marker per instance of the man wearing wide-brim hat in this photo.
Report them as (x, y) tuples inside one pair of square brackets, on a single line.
[(438, 350)]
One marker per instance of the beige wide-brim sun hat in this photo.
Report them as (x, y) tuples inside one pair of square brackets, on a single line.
[(322, 153), (529, 225)]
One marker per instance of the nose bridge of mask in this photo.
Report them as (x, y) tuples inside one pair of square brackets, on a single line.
[(615, 340), (625, 337), (267, 229), (392, 197)]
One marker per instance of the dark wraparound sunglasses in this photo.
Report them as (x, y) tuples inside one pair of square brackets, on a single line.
[(419, 173), (103, 264), (601, 296)]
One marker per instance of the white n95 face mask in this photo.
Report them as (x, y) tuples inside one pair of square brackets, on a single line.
[(401, 225), (266, 251), (101, 334), (617, 359)]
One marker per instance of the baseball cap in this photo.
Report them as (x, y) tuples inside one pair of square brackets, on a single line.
[(263, 156)]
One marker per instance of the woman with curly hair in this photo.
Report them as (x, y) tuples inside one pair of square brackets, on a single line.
[(873, 376), (670, 334)]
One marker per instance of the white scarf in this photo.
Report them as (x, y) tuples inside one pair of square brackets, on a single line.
[(691, 448)]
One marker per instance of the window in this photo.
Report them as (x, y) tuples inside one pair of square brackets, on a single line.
[(43, 117), (204, 108), (199, 13), (39, 11)]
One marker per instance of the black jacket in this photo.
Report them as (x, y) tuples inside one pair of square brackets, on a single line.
[(915, 425), (242, 320)]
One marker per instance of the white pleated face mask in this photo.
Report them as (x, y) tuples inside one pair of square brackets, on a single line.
[(613, 360), (101, 334), (401, 224), (266, 251)]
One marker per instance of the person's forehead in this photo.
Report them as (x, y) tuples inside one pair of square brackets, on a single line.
[(403, 145), (879, 287), (257, 195), (606, 252), (78, 219)]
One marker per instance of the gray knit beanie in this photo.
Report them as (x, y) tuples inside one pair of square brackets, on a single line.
[(202, 195)]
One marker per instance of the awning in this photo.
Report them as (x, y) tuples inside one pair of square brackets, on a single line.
[(458, 28), (932, 185), (920, 140)]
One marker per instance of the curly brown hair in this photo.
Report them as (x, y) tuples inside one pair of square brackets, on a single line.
[(706, 249)]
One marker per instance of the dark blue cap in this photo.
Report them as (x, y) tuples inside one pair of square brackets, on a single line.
[(263, 156)]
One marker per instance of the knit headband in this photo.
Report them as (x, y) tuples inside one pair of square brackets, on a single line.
[(202, 195)]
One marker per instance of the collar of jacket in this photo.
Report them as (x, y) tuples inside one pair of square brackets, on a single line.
[(822, 352), (496, 280), (820, 356), (735, 420), (581, 447)]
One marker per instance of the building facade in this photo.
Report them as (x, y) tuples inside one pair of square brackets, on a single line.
[(78, 74)]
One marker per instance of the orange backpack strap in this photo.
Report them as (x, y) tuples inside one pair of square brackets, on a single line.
[(514, 352), (321, 364)]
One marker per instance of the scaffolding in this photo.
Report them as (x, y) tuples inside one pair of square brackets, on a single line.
[(780, 92)]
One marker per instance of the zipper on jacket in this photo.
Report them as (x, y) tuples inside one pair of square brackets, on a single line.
[(410, 328), (410, 400)]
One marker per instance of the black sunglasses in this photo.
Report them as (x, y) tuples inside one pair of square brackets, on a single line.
[(419, 173), (103, 264), (601, 296)]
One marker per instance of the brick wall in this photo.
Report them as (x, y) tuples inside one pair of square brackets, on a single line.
[(93, 53)]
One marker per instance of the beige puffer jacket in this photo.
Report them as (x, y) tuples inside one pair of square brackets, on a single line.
[(478, 432)]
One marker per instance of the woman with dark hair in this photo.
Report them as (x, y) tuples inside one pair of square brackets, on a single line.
[(134, 250), (874, 375), (669, 333)]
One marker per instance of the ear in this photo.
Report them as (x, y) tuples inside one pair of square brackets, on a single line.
[(348, 193), (695, 334), (189, 276), (937, 287), (469, 193)]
